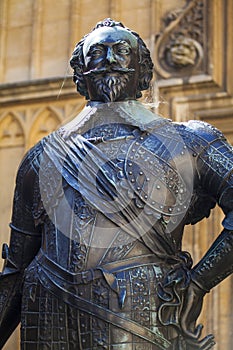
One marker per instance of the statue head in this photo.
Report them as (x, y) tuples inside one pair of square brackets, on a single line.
[(111, 63)]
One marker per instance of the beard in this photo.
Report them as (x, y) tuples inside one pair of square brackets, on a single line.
[(111, 88), (110, 82)]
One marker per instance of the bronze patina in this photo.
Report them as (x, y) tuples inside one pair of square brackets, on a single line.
[(95, 258)]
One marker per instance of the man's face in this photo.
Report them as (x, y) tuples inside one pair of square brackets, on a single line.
[(111, 64)]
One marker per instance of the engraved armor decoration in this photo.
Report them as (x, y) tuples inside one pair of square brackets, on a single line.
[(95, 259)]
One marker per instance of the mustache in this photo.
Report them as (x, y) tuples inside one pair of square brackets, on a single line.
[(109, 70)]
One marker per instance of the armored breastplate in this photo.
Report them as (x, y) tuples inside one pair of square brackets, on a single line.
[(77, 236), (137, 185)]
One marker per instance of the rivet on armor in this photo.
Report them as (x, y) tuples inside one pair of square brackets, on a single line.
[(140, 172), (158, 187), (130, 172), (132, 180)]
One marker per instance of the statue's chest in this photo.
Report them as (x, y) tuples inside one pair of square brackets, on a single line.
[(154, 168)]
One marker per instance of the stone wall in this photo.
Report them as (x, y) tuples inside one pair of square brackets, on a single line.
[(37, 94)]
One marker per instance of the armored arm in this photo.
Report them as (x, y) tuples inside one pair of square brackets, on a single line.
[(216, 264), (11, 279), (215, 167), (24, 243), (214, 183), (214, 267)]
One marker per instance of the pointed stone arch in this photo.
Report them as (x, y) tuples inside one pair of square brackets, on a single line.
[(46, 121), (11, 131)]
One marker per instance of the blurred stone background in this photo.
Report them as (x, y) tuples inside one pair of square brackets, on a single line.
[(191, 43)]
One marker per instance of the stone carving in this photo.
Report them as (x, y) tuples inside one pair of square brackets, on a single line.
[(181, 52), (24, 126), (179, 47), (46, 121), (95, 257), (11, 131)]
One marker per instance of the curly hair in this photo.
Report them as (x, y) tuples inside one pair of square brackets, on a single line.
[(145, 62)]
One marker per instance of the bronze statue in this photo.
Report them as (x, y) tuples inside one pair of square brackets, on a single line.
[(95, 258)]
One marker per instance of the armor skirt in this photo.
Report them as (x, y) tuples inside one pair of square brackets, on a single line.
[(49, 322)]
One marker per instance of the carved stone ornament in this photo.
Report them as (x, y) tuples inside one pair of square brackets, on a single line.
[(180, 45)]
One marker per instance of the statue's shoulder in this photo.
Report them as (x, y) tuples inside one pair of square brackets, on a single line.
[(198, 134), (31, 161), (200, 129)]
